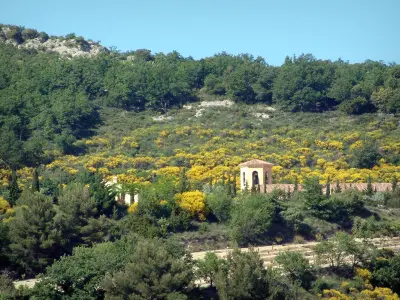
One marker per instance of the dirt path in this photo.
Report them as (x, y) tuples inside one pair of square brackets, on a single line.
[(268, 253)]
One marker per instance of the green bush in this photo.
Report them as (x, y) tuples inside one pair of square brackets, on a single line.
[(79, 276), (70, 36), (252, 216), (296, 266), (28, 34), (43, 36), (220, 203), (244, 277)]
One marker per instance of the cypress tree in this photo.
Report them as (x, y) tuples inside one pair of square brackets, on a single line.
[(13, 188), (234, 185), (296, 184), (35, 182), (183, 181), (370, 189), (394, 183), (338, 189), (328, 187)]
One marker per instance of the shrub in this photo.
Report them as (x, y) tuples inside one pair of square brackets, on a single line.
[(252, 216), (43, 36), (220, 203), (4, 205), (28, 34), (296, 266), (208, 268), (243, 278), (194, 203), (79, 276), (70, 36), (388, 275)]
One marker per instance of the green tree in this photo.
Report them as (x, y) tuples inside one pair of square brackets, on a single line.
[(388, 275), (35, 181), (80, 275), (252, 216), (75, 209), (4, 245), (394, 183), (303, 83), (369, 191), (313, 194), (340, 250), (13, 188), (7, 289), (34, 239), (244, 277), (296, 266), (220, 202), (328, 187), (208, 268), (156, 270)]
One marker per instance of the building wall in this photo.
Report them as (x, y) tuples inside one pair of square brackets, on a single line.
[(248, 176)]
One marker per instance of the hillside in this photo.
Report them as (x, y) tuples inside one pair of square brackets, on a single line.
[(210, 139)]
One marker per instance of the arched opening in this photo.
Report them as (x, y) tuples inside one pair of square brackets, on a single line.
[(255, 178), (244, 179), (266, 178)]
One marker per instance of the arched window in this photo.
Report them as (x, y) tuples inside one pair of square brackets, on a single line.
[(244, 178), (255, 178)]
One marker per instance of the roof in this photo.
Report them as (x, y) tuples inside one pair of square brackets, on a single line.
[(256, 163)]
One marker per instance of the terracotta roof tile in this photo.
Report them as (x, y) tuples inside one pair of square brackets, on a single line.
[(256, 163)]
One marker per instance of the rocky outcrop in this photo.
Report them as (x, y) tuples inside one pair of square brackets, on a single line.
[(67, 47)]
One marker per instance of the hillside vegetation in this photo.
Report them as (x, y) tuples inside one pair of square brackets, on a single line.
[(174, 130)]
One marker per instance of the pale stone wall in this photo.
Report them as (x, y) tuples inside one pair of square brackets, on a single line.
[(246, 176)]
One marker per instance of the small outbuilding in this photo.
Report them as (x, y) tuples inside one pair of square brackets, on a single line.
[(255, 173)]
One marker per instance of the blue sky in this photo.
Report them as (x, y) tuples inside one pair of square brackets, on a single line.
[(354, 30)]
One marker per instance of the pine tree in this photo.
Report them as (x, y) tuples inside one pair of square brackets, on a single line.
[(156, 271), (34, 237), (328, 187)]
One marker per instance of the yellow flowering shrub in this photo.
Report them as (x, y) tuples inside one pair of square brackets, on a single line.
[(133, 207), (334, 295), (365, 274), (194, 203), (378, 293), (4, 205)]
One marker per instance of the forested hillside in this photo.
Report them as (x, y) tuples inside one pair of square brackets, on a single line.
[(174, 130), (53, 105)]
